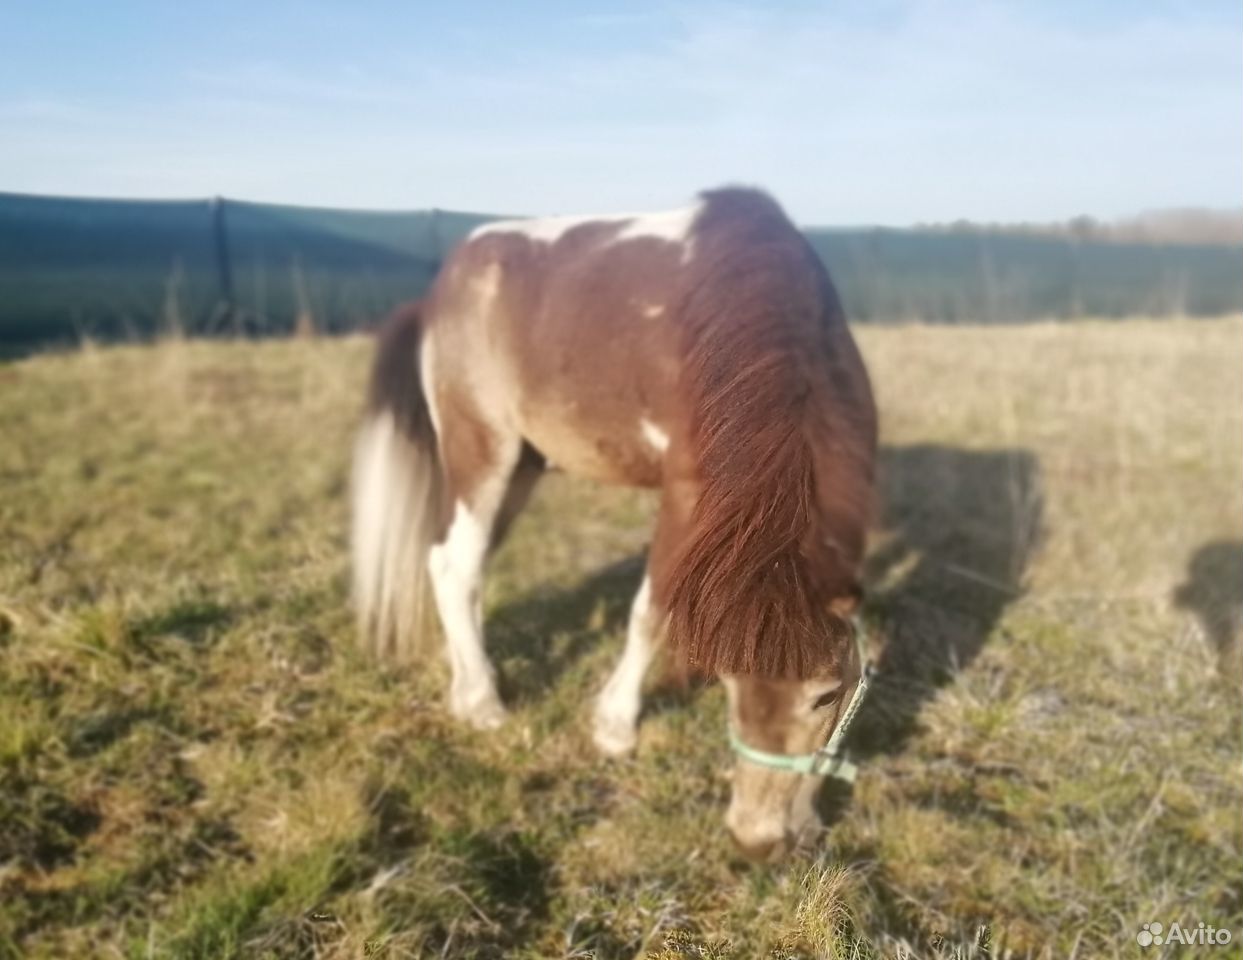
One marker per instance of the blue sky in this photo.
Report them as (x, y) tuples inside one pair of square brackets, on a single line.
[(849, 112)]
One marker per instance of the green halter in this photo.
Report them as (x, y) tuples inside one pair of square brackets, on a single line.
[(829, 760)]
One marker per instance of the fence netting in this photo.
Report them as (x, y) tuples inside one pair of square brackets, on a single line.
[(73, 268)]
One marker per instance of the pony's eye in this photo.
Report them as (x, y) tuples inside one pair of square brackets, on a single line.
[(826, 698)]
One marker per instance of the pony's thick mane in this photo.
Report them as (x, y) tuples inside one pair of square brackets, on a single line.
[(784, 441)]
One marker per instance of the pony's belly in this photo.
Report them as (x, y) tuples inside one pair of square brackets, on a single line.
[(625, 454)]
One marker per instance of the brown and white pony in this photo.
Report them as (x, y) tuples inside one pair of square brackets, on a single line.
[(701, 351)]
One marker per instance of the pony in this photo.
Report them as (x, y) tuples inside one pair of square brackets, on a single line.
[(702, 352)]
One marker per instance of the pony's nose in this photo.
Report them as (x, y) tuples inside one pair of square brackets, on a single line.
[(762, 850)]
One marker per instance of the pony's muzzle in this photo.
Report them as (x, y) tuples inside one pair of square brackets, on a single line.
[(763, 838), (770, 812), (763, 850)]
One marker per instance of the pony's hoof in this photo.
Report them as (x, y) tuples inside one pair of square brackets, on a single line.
[(491, 716), (482, 713), (615, 738)]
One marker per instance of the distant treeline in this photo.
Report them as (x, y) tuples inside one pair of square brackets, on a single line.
[(1191, 226), (72, 268)]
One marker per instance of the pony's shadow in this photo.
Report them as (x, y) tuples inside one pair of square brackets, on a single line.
[(539, 637), (1213, 591), (958, 530)]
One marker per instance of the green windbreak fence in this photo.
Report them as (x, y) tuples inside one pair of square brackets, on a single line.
[(72, 268), (342, 268), (994, 276)]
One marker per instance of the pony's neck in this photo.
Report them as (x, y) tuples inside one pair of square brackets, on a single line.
[(784, 436)]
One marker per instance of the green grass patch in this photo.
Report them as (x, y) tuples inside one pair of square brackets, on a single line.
[(195, 761)]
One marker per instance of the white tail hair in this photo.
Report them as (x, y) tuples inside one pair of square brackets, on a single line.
[(397, 490)]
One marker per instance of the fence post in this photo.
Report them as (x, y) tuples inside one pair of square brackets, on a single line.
[(434, 230), (224, 267)]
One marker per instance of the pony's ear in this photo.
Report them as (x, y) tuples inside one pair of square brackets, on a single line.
[(848, 604)]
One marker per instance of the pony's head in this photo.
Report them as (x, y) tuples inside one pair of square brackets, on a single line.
[(787, 644), (787, 735), (769, 604)]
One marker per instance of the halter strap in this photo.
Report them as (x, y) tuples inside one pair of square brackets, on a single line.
[(830, 759)]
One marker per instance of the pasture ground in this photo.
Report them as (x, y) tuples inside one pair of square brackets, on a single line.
[(194, 762)]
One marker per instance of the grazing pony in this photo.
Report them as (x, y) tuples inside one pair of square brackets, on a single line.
[(701, 351)]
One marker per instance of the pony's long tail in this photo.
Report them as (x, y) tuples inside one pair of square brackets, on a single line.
[(397, 490)]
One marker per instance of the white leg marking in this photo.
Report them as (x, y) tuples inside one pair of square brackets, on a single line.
[(617, 710), (456, 568), (655, 436)]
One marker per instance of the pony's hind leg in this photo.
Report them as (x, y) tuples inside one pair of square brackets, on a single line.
[(617, 709), (482, 491)]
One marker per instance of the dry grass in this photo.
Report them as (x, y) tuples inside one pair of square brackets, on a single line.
[(194, 762)]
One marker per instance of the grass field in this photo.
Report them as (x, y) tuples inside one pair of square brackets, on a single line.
[(194, 762)]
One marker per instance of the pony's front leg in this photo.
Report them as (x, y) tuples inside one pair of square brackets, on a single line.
[(456, 568), (617, 710)]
